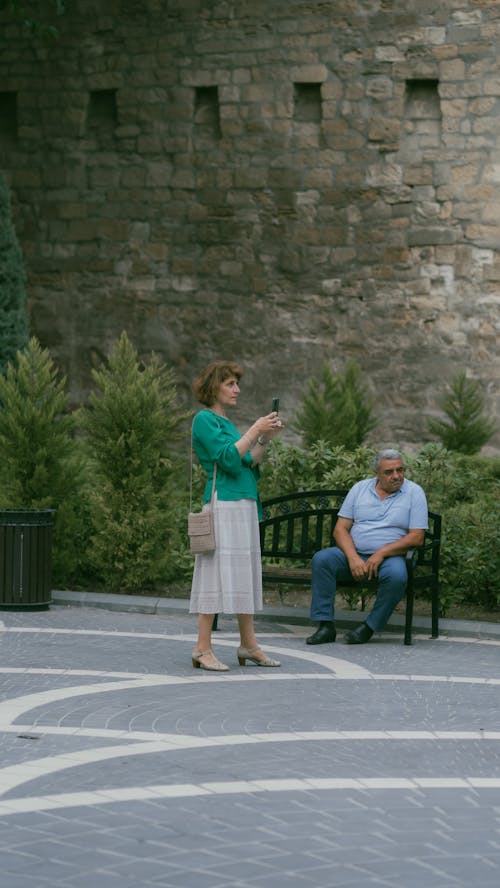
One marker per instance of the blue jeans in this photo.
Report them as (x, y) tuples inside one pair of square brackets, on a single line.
[(328, 565)]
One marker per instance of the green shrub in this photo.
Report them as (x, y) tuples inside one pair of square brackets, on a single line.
[(449, 477), (335, 409), (471, 554), (39, 462), (289, 467), (130, 425), (467, 429)]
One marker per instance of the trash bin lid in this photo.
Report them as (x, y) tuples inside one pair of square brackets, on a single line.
[(9, 517)]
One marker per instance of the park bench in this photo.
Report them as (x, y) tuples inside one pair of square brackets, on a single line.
[(296, 525)]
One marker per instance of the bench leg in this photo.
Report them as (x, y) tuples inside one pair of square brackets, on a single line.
[(408, 617), (435, 611), (409, 612)]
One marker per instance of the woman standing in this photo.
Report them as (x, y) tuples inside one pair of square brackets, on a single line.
[(229, 580)]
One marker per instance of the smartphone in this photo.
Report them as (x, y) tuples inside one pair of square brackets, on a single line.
[(276, 405)]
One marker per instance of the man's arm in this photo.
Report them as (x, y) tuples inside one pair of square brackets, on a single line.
[(367, 569), (343, 538), (410, 540)]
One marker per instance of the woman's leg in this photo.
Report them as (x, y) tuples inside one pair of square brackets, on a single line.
[(247, 631), (204, 642), (250, 645), (203, 654)]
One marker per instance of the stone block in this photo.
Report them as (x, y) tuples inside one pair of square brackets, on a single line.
[(464, 173), (490, 126), (309, 73), (384, 174), (462, 34), (454, 108), (491, 173), (418, 175), (418, 69), (428, 235), (342, 255), (329, 110), (290, 260), (104, 177), (253, 177), (331, 90), (133, 177), (452, 69), (384, 130), (486, 235), (72, 210), (389, 53), (183, 179), (241, 75), (157, 251), (379, 88), (319, 178), (354, 92)]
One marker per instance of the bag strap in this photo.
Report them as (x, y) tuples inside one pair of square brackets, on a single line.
[(191, 476)]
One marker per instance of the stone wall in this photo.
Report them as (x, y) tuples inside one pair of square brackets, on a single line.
[(279, 182)]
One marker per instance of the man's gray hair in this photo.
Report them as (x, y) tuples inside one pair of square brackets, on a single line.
[(385, 454)]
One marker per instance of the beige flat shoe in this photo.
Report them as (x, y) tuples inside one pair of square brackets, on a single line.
[(245, 654), (212, 664)]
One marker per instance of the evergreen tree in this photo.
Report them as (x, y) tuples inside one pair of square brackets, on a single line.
[(13, 318), (35, 435), (336, 410), (467, 429), (39, 463), (130, 423)]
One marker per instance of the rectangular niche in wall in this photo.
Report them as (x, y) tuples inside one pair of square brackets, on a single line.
[(422, 100), (206, 114), (8, 116), (307, 102), (422, 129), (101, 111)]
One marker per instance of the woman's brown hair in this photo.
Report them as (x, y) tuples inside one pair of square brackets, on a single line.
[(206, 386)]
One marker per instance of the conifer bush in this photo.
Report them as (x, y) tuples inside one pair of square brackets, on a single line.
[(13, 317), (39, 463), (130, 424), (336, 409), (466, 428)]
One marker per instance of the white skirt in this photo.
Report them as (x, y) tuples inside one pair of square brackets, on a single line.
[(229, 580)]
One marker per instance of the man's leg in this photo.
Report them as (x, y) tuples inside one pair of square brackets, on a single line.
[(392, 582), (327, 565)]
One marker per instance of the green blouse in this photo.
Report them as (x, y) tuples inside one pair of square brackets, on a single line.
[(213, 441)]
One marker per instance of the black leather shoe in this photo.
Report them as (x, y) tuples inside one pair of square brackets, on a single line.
[(360, 635), (325, 633)]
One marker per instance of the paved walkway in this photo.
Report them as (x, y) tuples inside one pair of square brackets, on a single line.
[(122, 766)]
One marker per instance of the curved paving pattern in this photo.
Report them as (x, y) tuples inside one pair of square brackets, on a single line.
[(121, 765)]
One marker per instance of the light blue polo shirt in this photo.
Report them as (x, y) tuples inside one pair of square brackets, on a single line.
[(377, 521)]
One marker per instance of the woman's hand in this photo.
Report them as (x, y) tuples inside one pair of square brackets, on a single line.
[(264, 428), (259, 434), (269, 426)]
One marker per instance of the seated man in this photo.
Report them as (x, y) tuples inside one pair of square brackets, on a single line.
[(379, 520)]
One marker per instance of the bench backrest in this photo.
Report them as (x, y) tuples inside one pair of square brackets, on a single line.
[(296, 525)]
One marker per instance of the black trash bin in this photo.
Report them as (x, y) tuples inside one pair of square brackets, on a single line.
[(25, 558)]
